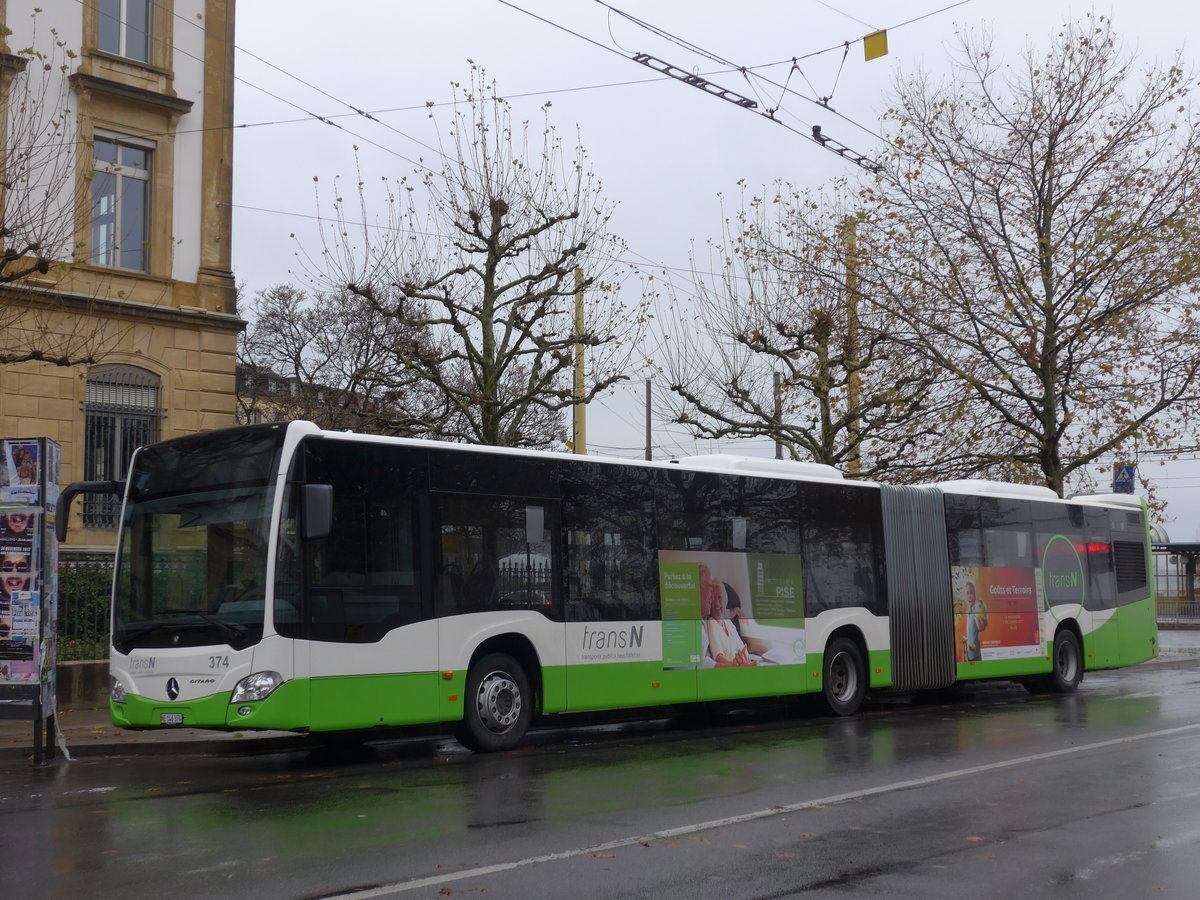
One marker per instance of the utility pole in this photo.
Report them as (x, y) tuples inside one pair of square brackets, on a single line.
[(579, 409), (778, 412), (649, 445), (853, 461)]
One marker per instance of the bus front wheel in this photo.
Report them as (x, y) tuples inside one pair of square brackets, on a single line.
[(498, 705), (845, 682)]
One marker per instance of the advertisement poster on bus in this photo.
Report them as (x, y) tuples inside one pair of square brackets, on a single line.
[(995, 613), (749, 606)]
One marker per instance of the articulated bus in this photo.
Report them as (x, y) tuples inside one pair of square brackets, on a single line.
[(283, 577)]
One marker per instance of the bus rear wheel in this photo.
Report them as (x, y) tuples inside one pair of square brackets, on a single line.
[(1066, 671), (499, 705), (845, 682), (1067, 664)]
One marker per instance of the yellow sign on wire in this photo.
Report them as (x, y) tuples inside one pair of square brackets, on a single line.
[(875, 45)]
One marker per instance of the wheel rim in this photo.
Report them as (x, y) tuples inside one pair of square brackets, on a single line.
[(1068, 664), (843, 677), (498, 702)]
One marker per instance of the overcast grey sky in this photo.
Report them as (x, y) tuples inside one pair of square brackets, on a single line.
[(664, 151)]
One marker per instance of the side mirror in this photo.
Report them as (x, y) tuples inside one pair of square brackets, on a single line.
[(316, 511), (62, 513)]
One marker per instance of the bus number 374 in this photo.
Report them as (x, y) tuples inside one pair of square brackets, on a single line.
[(283, 577)]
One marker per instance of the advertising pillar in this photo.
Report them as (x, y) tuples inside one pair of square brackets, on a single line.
[(29, 488)]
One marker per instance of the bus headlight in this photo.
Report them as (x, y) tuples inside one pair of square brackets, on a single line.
[(256, 687), (116, 691)]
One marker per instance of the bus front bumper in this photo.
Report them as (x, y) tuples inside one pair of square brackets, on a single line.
[(285, 709)]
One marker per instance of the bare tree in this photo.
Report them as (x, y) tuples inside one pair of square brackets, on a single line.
[(40, 198), (1035, 231), (332, 359), (785, 345), (484, 261)]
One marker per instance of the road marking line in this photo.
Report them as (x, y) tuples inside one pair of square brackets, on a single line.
[(401, 887)]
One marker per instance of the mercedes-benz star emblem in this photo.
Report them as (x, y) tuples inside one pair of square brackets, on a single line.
[(172, 689)]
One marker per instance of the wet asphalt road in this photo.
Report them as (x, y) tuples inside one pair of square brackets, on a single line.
[(997, 794)]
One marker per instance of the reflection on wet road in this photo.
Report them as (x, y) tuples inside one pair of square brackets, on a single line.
[(908, 798)]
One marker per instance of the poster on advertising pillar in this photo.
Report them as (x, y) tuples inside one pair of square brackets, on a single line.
[(29, 490)]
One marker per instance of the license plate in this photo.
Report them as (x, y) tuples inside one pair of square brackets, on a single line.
[(170, 719)]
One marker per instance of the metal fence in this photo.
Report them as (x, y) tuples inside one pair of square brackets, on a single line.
[(84, 586), (1176, 604), (1175, 610), (525, 584)]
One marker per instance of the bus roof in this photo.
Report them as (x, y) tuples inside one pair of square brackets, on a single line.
[(785, 468), (733, 464), (727, 463)]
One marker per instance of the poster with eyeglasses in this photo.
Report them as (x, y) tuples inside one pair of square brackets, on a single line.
[(20, 595)]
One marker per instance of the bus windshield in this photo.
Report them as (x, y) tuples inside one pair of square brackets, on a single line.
[(193, 546)]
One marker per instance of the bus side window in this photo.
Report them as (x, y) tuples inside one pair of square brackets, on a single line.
[(1058, 536), (842, 549), (609, 543), (1006, 528), (362, 578), (1098, 548), (288, 620), (963, 531), (494, 553), (341, 558), (390, 544)]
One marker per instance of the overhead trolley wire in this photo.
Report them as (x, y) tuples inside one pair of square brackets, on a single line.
[(746, 70), (842, 12), (372, 115), (702, 83)]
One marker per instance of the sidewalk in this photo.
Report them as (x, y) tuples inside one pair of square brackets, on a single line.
[(89, 733)]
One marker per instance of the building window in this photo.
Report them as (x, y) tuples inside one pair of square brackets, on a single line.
[(120, 203), (125, 28), (123, 413)]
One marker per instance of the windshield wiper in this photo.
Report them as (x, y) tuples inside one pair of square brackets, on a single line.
[(233, 633), (128, 635)]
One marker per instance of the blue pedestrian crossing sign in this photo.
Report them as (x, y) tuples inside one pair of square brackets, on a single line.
[(1124, 475)]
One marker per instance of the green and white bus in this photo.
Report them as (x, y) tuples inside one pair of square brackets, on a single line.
[(283, 577)]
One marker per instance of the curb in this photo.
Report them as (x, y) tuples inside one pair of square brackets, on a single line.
[(219, 746), (187, 746), (1159, 664)]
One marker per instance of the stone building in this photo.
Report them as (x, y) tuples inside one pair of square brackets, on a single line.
[(119, 326)]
